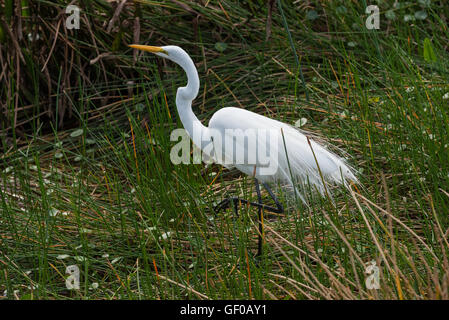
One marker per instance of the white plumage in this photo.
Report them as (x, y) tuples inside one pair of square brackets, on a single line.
[(298, 162), (297, 165)]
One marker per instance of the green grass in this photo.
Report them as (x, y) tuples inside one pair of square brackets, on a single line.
[(108, 199)]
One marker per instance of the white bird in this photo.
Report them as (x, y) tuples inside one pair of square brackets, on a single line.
[(293, 158)]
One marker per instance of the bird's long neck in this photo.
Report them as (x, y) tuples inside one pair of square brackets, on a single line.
[(184, 98)]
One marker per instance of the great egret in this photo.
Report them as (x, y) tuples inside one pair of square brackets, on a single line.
[(292, 156)]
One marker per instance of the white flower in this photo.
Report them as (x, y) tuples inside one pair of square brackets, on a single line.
[(79, 258), (15, 292), (35, 38), (115, 260), (409, 17), (165, 235), (53, 212), (8, 169), (62, 256), (300, 123), (446, 96), (105, 255), (94, 285)]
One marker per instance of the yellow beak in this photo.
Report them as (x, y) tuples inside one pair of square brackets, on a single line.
[(148, 48)]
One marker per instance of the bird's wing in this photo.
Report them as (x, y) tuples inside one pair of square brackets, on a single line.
[(298, 159)]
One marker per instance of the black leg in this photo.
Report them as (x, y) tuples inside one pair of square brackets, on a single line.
[(223, 205), (259, 220), (236, 201)]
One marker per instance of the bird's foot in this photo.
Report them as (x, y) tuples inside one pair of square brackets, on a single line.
[(223, 205), (226, 203)]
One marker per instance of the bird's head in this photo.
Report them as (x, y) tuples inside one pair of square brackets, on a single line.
[(173, 53), (179, 56)]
